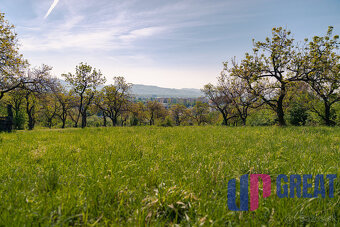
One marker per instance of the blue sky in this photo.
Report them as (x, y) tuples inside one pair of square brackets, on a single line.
[(177, 44)]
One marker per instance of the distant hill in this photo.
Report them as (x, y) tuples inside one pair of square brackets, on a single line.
[(150, 91)]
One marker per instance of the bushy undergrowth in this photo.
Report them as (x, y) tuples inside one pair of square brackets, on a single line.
[(160, 175)]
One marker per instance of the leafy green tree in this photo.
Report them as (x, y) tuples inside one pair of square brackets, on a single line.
[(262, 117), (15, 98), (322, 72), (84, 83), (270, 70), (298, 103), (113, 99), (139, 113), (179, 112), (65, 103), (31, 101), (298, 115), (49, 107), (155, 110), (125, 114), (200, 112), (40, 83), (12, 63), (98, 107)]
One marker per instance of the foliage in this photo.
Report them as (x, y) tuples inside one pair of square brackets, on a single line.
[(113, 100), (155, 110), (323, 74), (167, 122), (84, 83), (11, 62), (138, 113), (19, 120), (270, 69), (279, 74), (199, 113), (262, 117), (179, 113), (298, 115), (231, 96)]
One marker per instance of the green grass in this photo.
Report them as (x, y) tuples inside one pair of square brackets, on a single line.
[(156, 176)]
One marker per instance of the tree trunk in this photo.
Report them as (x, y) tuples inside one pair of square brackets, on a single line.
[(64, 116), (114, 121), (64, 122), (244, 121), (280, 116), (80, 113), (83, 120), (49, 122), (279, 111), (225, 119), (327, 118), (124, 120), (151, 120), (29, 111), (104, 120), (178, 122), (74, 120), (77, 120), (16, 110), (31, 122), (224, 115)]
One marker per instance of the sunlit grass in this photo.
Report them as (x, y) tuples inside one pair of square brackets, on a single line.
[(154, 175)]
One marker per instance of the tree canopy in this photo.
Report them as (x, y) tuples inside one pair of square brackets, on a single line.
[(12, 64)]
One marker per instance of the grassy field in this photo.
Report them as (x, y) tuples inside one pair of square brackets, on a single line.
[(156, 176)]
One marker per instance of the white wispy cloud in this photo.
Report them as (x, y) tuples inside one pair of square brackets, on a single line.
[(149, 39), (107, 25), (141, 32), (87, 39), (112, 27), (54, 4), (138, 39)]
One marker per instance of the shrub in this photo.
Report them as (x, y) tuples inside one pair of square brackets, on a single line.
[(261, 118), (167, 122), (297, 115), (19, 121)]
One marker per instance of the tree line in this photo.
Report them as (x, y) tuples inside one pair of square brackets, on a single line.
[(280, 80), (49, 103), (282, 74)]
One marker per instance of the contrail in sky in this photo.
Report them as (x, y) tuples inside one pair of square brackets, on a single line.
[(54, 4)]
